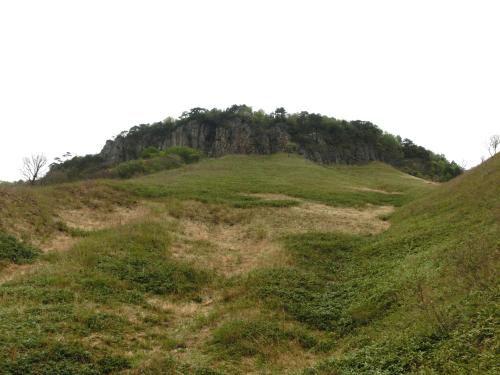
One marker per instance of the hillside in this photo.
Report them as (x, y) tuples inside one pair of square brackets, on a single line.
[(240, 130), (252, 264)]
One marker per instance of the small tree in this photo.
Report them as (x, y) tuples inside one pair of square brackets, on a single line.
[(61, 159), (494, 144), (33, 167)]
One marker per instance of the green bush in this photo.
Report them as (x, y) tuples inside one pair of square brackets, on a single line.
[(16, 252), (139, 167), (187, 154), (149, 152)]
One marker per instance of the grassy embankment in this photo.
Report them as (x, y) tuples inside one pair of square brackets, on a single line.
[(255, 264)]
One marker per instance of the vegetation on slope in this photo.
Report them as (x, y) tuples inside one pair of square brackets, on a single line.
[(427, 289), (173, 292), (150, 161), (32, 214), (233, 179)]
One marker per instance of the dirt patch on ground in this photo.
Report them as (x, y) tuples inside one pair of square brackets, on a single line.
[(14, 270), (182, 310), (91, 219), (59, 242), (319, 217), (233, 248), (228, 249), (82, 219), (273, 197), (409, 176), (377, 191)]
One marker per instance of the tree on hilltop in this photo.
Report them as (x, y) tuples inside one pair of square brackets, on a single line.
[(33, 167), (494, 144)]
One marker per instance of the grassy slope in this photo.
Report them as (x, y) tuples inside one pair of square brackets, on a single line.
[(223, 180), (32, 213), (436, 271), (417, 298)]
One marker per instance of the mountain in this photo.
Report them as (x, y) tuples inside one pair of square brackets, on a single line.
[(240, 130)]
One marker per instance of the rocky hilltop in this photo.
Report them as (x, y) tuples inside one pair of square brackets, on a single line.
[(233, 137), (241, 130)]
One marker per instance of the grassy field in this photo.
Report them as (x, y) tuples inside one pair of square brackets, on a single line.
[(225, 180), (246, 264)]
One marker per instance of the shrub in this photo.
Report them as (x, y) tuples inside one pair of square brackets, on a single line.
[(149, 152), (16, 252), (130, 169), (187, 154), (133, 168)]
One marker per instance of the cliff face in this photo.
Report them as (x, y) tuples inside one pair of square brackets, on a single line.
[(237, 137), (231, 138)]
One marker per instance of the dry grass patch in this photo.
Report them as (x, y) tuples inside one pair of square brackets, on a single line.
[(182, 309), (319, 217), (188, 326), (228, 249), (15, 270), (58, 242), (83, 219), (234, 241), (86, 218), (273, 197), (380, 191)]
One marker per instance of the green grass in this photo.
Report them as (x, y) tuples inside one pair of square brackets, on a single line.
[(424, 294), (45, 318), (224, 180), (247, 338), (420, 298)]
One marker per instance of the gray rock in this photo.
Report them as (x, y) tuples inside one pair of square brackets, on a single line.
[(235, 137)]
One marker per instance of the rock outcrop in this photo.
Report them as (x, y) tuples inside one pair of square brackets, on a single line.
[(214, 140)]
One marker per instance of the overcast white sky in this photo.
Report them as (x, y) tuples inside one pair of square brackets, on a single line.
[(75, 73)]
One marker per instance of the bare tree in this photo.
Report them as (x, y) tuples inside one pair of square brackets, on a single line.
[(493, 144), (33, 167)]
